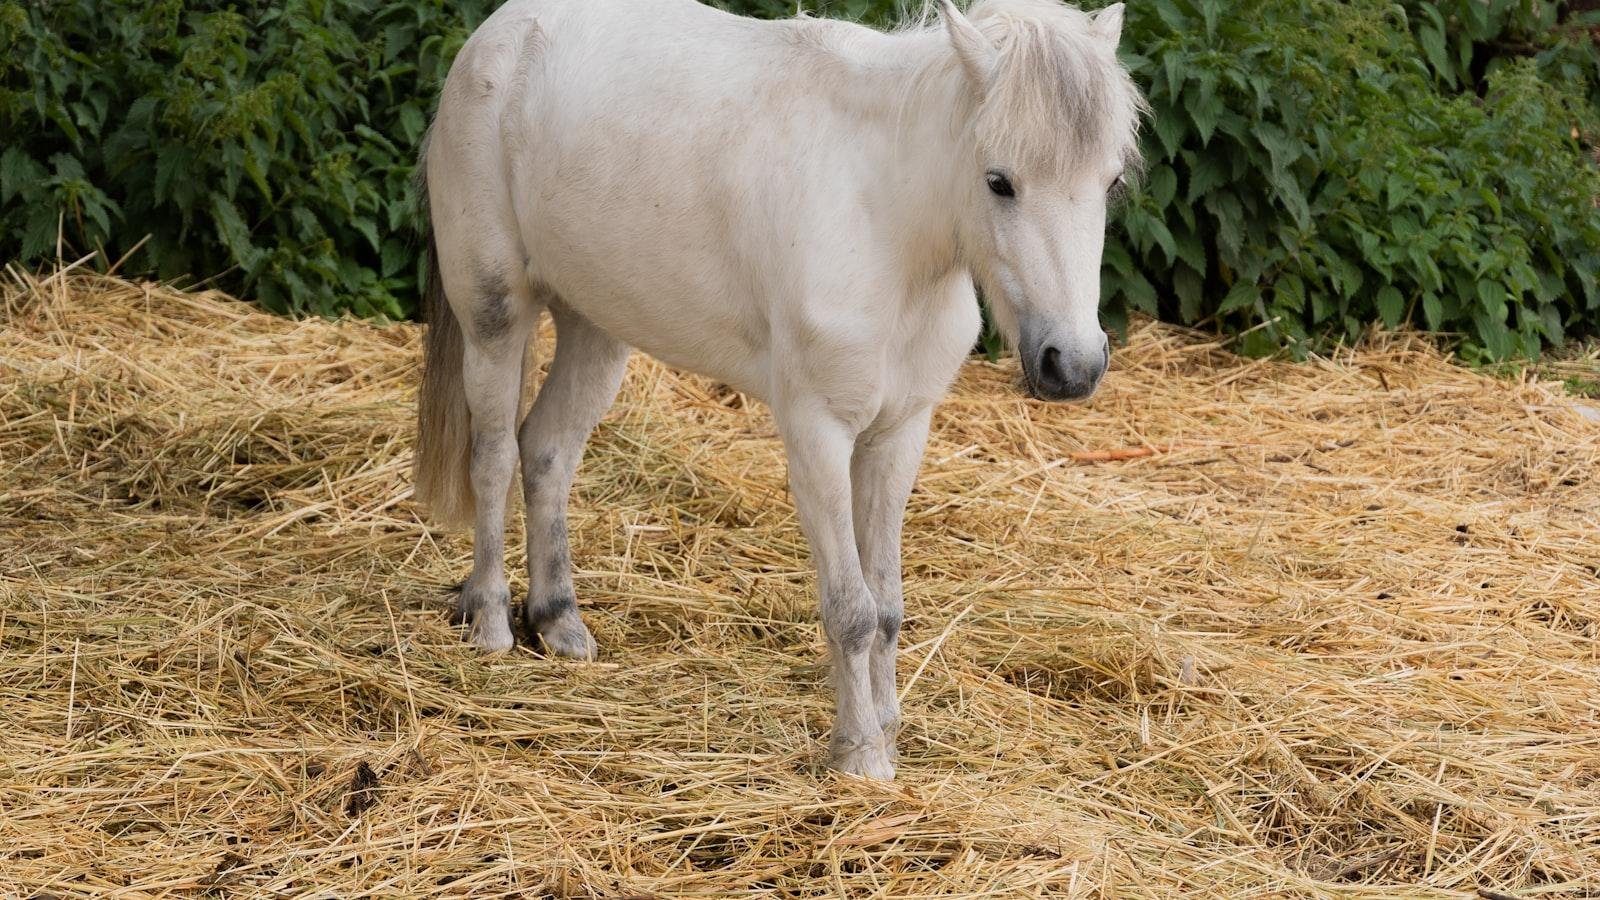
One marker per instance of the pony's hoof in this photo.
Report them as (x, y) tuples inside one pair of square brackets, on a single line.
[(865, 760), (568, 637), (492, 634), (889, 721), (891, 735), (488, 621)]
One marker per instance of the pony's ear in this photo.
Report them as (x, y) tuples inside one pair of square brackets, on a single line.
[(977, 55), (1108, 22)]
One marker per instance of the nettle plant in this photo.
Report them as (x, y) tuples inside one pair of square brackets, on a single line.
[(1462, 40), (1309, 176), (267, 144), (874, 12), (1315, 165)]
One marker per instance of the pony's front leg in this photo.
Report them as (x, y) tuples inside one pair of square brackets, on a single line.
[(882, 472), (819, 449)]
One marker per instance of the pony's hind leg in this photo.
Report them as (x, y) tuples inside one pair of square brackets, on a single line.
[(500, 314), (583, 382)]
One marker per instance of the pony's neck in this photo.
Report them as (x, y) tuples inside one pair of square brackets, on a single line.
[(933, 145), (910, 86)]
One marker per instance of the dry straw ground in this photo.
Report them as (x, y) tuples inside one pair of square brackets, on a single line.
[(1338, 639)]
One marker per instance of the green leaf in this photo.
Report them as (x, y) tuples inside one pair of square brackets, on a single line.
[(412, 123), (396, 257), (1400, 189), (39, 232), (1170, 125), (1346, 276), (1190, 249), (256, 162), (1497, 339), (1162, 235), (1162, 185), (1206, 174), (233, 232), (1140, 292), (1433, 311), (1172, 15), (1283, 148), (1492, 300), (170, 164), (1293, 199), (369, 230), (1431, 37), (1323, 307), (1229, 213), (1550, 324), (1190, 289), (18, 171), (1244, 295), (1206, 112), (1391, 305), (68, 167)]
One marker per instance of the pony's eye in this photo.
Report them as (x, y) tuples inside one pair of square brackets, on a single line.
[(1001, 185)]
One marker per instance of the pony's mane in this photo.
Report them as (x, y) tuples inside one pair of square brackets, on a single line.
[(1058, 96)]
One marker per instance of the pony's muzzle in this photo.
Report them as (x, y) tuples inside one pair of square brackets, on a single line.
[(1054, 375)]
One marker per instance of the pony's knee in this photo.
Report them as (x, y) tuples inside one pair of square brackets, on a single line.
[(889, 619), (503, 308), (492, 313), (850, 618), (538, 463), (492, 451)]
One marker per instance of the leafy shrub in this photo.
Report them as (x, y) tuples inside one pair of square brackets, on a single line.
[(1310, 174), (1463, 40), (267, 142), (873, 12), (1315, 166)]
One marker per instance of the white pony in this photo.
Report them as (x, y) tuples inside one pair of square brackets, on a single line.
[(798, 209)]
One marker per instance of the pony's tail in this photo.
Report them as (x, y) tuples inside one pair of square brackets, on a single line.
[(442, 466)]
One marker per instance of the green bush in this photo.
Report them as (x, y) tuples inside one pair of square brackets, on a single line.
[(1462, 40), (1315, 165), (882, 13), (263, 142)]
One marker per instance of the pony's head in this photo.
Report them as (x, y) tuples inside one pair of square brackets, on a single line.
[(1054, 131)]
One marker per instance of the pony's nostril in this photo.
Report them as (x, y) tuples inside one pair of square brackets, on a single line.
[(1050, 373)]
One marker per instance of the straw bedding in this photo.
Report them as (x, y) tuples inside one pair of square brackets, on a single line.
[(1335, 632)]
